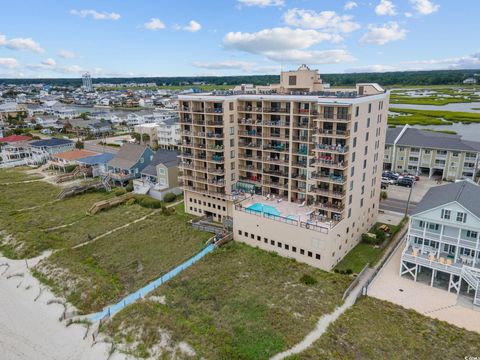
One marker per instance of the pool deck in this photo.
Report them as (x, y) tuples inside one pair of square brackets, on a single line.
[(286, 208)]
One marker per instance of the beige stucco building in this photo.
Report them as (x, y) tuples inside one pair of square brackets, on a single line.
[(431, 153), (299, 172)]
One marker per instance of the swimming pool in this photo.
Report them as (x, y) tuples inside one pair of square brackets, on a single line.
[(259, 207)]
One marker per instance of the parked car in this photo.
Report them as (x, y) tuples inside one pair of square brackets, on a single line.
[(388, 180), (405, 181)]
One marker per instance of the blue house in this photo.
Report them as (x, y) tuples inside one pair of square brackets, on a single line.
[(129, 162), (43, 150), (97, 164)]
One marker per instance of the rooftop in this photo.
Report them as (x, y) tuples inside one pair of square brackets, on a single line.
[(127, 156), (429, 139), (14, 138), (51, 142), (96, 159), (75, 154), (168, 158), (464, 192)]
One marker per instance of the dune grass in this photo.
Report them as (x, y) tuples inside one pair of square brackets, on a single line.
[(238, 302), (16, 175), (102, 272), (375, 329)]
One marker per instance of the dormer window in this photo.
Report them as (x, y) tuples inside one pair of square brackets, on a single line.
[(461, 217), (446, 214)]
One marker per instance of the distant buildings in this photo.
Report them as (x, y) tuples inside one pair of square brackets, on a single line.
[(443, 244), (87, 82), (432, 153), (470, 81)]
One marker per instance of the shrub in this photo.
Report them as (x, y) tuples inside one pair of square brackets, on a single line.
[(148, 202), (130, 201), (129, 187), (370, 240), (308, 279), (119, 191), (70, 168), (169, 197), (383, 195)]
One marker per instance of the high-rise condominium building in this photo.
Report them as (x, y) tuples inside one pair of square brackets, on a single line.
[(87, 82), (295, 166)]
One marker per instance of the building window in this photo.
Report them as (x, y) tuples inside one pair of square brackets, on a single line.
[(310, 254), (292, 80), (357, 110), (272, 242), (252, 236), (161, 171), (355, 125), (368, 122), (240, 232), (302, 252), (259, 238), (317, 256), (265, 240), (246, 234), (287, 247), (472, 234), (279, 244), (446, 214), (369, 108), (461, 217)]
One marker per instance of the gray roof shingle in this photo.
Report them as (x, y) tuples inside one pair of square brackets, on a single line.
[(127, 156), (464, 192), (168, 158), (430, 140)]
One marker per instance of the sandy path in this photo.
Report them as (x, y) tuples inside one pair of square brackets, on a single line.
[(31, 330)]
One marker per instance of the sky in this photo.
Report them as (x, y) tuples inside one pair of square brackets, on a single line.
[(117, 38)]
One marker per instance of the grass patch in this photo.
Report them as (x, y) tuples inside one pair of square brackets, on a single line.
[(103, 272), (450, 132), (375, 329), (365, 253), (430, 117), (238, 302), (16, 175)]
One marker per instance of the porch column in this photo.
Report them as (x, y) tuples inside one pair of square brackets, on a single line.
[(458, 245), (434, 272)]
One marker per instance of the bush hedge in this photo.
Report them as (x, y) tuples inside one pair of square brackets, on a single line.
[(148, 202), (169, 197)]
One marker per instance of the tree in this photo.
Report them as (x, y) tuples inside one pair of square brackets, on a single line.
[(79, 144), (84, 115)]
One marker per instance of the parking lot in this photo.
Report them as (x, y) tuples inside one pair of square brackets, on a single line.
[(397, 196)]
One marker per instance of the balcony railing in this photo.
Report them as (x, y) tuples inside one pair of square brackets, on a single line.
[(329, 177), (331, 148)]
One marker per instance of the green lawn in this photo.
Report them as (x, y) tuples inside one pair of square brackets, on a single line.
[(364, 254), (237, 303), (101, 273), (375, 329)]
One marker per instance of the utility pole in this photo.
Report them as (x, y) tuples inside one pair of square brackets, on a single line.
[(408, 200)]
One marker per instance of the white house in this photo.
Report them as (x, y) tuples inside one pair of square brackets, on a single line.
[(443, 244)]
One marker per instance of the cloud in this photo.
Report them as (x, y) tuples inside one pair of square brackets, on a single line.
[(424, 7), (21, 44), (384, 34), (311, 56), (192, 26), (65, 54), (456, 63), (276, 39), (49, 62), (9, 63), (261, 3), (408, 14), (96, 15), (225, 65), (350, 5), (371, 68), (385, 7), (154, 24), (326, 20)]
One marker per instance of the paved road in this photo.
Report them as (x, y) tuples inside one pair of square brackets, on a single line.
[(397, 205), (92, 145)]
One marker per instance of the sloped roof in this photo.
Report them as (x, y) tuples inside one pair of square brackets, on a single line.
[(168, 158), (430, 139), (51, 142), (14, 138), (464, 192), (75, 154), (96, 159), (127, 156)]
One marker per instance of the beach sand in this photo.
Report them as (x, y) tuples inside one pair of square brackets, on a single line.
[(30, 330)]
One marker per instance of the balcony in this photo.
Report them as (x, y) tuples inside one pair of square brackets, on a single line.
[(275, 184), (214, 123), (275, 172), (249, 109), (276, 123), (332, 133), (216, 159), (329, 162), (332, 178), (245, 121), (251, 179), (249, 144), (334, 117), (249, 157), (275, 160), (340, 149), (327, 192), (276, 110), (329, 206), (217, 110), (250, 133), (215, 135)]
